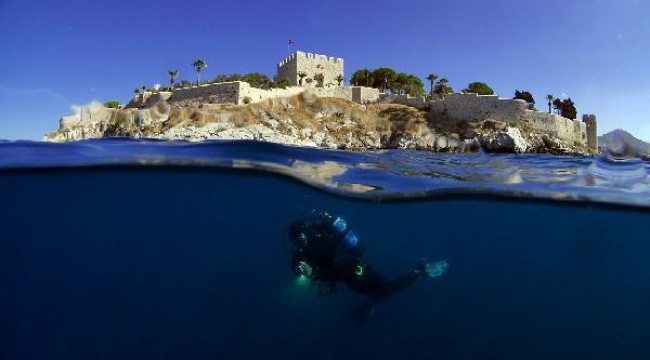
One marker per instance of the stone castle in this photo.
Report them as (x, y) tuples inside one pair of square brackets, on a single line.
[(310, 66), (301, 69)]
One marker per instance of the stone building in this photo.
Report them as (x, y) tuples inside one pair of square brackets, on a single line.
[(311, 65), (239, 93), (592, 130)]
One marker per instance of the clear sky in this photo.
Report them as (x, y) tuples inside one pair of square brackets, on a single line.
[(54, 54)]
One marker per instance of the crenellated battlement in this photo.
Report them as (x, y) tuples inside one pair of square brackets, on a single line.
[(287, 60), (304, 55)]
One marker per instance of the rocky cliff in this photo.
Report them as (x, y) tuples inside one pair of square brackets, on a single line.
[(308, 120)]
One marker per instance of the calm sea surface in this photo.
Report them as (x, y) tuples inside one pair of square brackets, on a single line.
[(128, 249)]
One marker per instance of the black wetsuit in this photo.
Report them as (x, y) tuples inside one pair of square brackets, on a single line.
[(332, 261)]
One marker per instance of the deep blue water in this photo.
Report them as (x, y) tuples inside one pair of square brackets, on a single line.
[(175, 251)]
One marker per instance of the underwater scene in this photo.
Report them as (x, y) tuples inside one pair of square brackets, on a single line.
[(136, 249)]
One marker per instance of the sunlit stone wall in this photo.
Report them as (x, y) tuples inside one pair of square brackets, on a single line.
[(473, 107)]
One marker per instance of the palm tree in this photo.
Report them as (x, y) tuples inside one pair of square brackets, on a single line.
[(199, 64), (442, 87), (339, 78), (172, 75), (550, 99), (432, 78)]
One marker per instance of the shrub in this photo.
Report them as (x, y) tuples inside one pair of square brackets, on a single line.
[(280, 83), (479, 88), (112, 104), (320, 79), (246, 100)]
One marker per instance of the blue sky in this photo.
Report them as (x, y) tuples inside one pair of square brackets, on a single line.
[(56, 54)]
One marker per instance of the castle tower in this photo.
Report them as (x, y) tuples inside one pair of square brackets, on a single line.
[(312, 65), (592, 130)]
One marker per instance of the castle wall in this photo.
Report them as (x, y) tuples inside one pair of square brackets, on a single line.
[(473, 107), (220, 93), (568, 130), (137, 100), (343, 92), (310, 64), (414, 101), (238, 91), (363, 94), (257, 95)]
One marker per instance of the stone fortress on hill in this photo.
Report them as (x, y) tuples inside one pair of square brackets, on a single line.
[(300, 63), (300, 66)]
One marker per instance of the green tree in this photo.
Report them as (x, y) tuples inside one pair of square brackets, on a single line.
[(527, 97), (557, 105), (399, 83), (383, 78), (199, 64), (408, 84), (301, 75), (415, 86), (234, 77), (221, 78), (112, 104), (185, 83), (479, 88), (550, 99), (362, 77), (432, 78), (281, 83), (339, 79), (257, 80), (442, 89), (136, 91), (569, 109), (172, 75), (565, 108)]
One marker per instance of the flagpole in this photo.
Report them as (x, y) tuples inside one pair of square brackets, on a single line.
[(289, 43)]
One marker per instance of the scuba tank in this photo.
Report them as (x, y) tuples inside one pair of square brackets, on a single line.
[(341, 226)]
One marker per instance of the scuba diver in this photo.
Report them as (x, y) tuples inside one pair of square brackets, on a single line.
[(327, 251)]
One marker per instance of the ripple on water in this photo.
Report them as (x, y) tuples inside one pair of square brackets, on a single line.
[(376, 175)]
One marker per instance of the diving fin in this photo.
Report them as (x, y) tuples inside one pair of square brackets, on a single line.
[(436, 268)]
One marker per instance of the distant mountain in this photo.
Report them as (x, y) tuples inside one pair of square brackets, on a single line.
[(615, 139)]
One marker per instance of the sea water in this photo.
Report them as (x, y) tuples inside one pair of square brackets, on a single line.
[(126, 249)]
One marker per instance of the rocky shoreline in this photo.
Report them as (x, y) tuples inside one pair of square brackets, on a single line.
[(311, 121)]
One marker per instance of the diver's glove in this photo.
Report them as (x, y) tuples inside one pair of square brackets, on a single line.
[(432, 269)]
